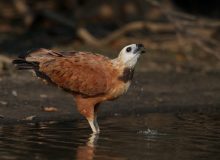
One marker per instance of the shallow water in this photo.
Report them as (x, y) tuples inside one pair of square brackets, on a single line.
[(151, 136)]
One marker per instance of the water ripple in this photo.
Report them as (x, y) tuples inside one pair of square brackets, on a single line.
[(186, 136)]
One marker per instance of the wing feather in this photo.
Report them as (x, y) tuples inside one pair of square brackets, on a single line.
[(82, 73)]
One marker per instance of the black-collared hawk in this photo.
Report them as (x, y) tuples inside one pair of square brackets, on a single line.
[(90, 78)]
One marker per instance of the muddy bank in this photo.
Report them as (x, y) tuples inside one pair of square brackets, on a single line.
[(23, 98)]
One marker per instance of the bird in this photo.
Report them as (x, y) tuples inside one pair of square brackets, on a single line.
[(91, 78)]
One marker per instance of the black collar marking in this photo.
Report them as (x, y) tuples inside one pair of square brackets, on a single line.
[(127, 75)]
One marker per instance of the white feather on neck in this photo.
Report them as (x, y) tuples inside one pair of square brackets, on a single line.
[(126, 60)]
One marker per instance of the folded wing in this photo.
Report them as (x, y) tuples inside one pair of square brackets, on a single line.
[(79, 72)]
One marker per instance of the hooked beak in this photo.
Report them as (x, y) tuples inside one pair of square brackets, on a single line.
[(140, 47)]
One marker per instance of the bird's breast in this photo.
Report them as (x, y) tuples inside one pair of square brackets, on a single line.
[(120, 81), (119, 90)]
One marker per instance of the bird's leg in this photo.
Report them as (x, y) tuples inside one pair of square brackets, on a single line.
[(93, 122), (94, 125), (88, 109)]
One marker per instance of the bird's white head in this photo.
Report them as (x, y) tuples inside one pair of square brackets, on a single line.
[(130, 54)]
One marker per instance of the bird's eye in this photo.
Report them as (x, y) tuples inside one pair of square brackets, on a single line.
[(128, 49)]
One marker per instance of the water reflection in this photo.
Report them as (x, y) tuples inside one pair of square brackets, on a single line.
[(87, 152), (182, 136)]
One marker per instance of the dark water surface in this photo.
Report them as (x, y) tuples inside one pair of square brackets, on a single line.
[(188, 136)]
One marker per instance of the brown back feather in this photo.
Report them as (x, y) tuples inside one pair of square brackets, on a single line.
[(82, 73)]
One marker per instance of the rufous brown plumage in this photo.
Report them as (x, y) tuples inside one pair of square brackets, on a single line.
[(90, 78)]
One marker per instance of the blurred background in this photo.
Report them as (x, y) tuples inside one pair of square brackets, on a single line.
[(172, 107), (180, 35)]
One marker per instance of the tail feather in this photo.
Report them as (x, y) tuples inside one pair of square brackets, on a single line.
[(33, 58), (41, 54), (22, 64)]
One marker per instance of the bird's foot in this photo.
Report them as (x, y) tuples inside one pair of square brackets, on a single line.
[(94, 126)]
